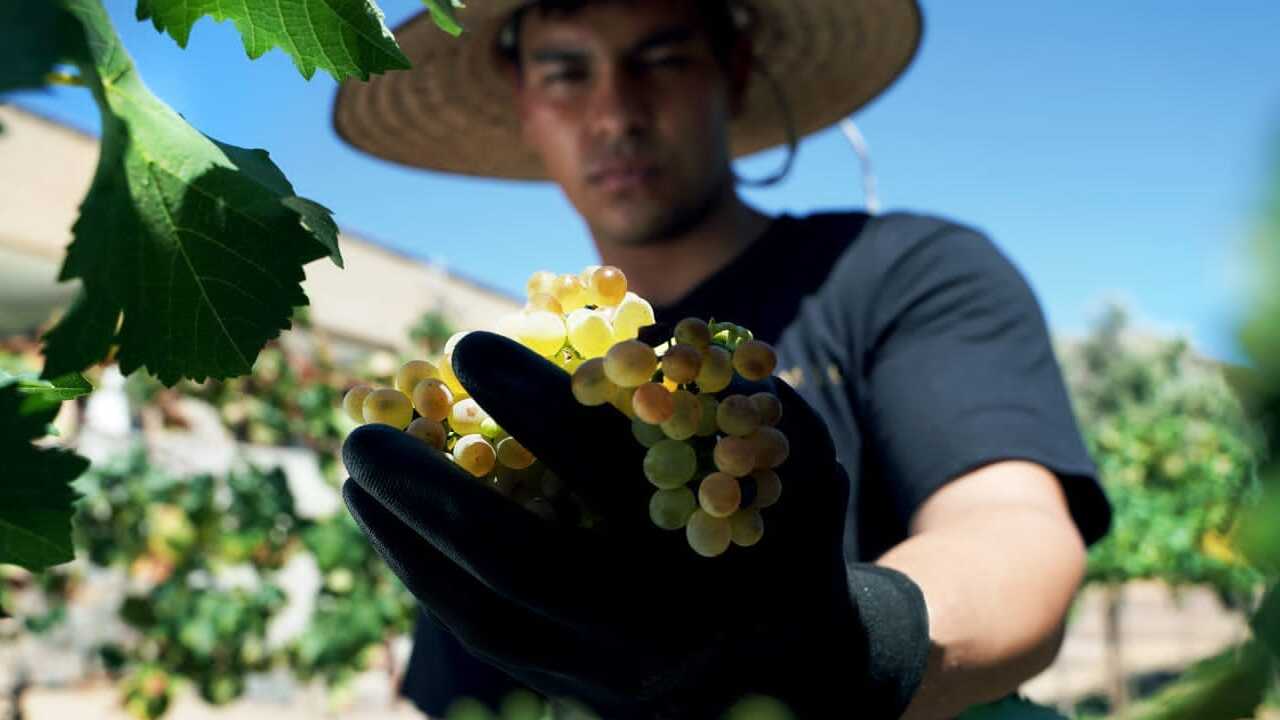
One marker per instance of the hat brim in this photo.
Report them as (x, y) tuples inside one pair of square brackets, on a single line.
[(452, 112)]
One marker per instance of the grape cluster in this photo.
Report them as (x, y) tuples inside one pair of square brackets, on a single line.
[(711, 457)]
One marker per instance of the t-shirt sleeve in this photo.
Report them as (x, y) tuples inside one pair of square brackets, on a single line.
[(959, 370)]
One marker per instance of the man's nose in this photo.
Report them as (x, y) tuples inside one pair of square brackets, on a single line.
[(619, 105)]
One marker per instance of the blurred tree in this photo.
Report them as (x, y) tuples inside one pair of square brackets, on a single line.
[(431, 331)]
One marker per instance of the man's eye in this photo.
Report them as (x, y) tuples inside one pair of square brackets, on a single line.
[(667, 60), (566, 75)]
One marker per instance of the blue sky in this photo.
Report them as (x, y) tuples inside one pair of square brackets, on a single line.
[(1112, 150)]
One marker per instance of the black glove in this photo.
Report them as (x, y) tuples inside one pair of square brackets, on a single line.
[(628, 619)]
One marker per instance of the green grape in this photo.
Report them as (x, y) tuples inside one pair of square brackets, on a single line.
[(754, 360), (432, 399), (708, 536), (570, 291), (541, 331), (633, 313), (475, 455), (607, 286), (719, 495), (514, 455), (707, 417), (590, 332), (716, 371), (669, 464), (590, 385), (681, 363), (670, 509), (429, 431), (737, 415), (768, 488), (541, 282), (466, 416), (388, 407), (693, 331), (353, 402), (685, 417), (412, 373), (522, 705), (468, 708), (772, 447), (622, 399), (653, 403), (630, 363), (646, 434), (760, 707), (768, 406), (746, 527), (491, 430), (735, 455)]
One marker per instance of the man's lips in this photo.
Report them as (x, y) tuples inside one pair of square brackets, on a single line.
[(613, 178)]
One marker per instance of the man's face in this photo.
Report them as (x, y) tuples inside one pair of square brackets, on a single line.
[(629, 108)]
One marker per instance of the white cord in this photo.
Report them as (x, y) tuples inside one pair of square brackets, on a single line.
[(859, 143)]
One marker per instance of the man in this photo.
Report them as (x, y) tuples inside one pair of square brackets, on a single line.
[(915, 347)]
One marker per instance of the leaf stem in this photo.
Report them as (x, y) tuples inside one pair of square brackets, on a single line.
[(61, 78)]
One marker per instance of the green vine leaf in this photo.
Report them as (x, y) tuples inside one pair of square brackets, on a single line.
[(35, 486), (347, 38), (1014, 707), (190, 251), (442, 12), (39, 395)]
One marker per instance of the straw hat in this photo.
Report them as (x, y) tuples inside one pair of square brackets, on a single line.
[(452, 111)]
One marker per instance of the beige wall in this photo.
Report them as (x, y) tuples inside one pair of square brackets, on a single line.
[(45, 170)]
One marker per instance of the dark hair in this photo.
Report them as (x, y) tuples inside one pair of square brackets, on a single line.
[(722, 20)]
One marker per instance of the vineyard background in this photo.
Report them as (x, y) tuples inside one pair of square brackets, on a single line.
[(289, 612)]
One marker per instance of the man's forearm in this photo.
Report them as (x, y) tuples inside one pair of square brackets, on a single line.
[(998, 585)]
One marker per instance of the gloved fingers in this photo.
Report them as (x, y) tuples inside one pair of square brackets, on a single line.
[(495, 629), (532, 399), (553, 570)]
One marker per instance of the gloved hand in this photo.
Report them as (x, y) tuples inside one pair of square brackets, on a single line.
[(629, 619)]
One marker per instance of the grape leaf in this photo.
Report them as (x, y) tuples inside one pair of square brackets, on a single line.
[(347, 38), (444, 16), (26, 54), (190, 251), (35, 486), (1014, 707), (42, 394)]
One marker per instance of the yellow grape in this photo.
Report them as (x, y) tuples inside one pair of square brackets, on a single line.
[(541, 282), (686, 416), (412, 373), (622, 399), (514, 455), (607, 286), (681, 363), (590, 385), (737, 415), (735, 455), (544, 301), (388, 407), (754, 360), (571, 293), (768, 488), (708, 406), (670, 509), (746, 527), (630, 363), (542, 332), (585, 275), (451, 343), (353, 402), (769, 407), (567, 360), (590, 332), (475, 455), (653, 403), (720, 495), (708, 536), (717, 370), (695, 332), (451, 380), (466, 416), (432, 399), (431, 432), (633, 313), (772, 447), (490, 429), (646, 434)]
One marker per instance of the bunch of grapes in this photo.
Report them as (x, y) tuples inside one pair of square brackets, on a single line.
[(711, 457)]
